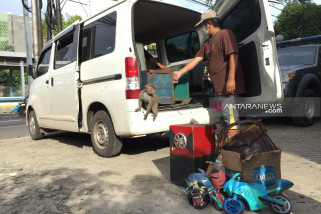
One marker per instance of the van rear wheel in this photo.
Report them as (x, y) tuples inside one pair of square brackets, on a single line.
[(103, 137)]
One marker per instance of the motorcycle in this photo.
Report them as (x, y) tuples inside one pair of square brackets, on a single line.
[(20, 109), (202, 189), (255, 196)]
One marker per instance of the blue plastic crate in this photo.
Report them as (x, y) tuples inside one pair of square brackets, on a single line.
[(162, 80), (167, 92)]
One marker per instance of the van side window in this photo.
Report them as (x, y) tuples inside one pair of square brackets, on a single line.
[(244, 19), (64, 52), (43, 63), (99, 37), (182, 47)]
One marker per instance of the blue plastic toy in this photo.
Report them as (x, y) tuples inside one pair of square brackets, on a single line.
[(255, 196), (201, 191)]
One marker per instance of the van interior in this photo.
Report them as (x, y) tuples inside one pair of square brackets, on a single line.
[(172, 29)]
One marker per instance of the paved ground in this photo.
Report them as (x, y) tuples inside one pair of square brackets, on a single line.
[(61, 174)]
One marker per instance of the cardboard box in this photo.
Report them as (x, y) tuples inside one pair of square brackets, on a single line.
[(261, 168)]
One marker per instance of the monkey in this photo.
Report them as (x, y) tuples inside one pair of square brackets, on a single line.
[(148, 96)]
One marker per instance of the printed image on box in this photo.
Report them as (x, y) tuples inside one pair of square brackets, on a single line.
[(265, 175)]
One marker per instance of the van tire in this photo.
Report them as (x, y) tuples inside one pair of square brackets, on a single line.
[(103, 137), (308, 108), (33, 127)]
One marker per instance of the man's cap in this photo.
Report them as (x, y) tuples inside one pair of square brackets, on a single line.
[(206, 15)]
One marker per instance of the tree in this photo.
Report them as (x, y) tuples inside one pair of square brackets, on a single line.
[(69, 20), (299, 20), (65, 23), (16, 78), (4, 77), (5, 46)]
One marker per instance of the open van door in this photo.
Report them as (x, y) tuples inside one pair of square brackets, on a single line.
[(251, 22)]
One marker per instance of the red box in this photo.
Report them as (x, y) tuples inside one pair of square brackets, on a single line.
[(190, 147)]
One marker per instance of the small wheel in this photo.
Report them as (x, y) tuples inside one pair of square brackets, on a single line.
[(103, 137), (307, 109), (231, 206), (199, 198), (33, 126), (14, 114), (218, 206), (278, 209)]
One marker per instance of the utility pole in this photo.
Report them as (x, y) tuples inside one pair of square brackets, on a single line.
[(49, 20), (58, 16), (28, 42), (37, 28)]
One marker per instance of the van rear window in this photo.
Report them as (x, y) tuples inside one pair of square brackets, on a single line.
[(182, 47), (99, 37)]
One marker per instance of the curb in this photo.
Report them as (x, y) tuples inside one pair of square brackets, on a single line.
[(6, 108)]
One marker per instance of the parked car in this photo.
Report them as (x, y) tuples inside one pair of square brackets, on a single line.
[(88, 78), (301, 81)]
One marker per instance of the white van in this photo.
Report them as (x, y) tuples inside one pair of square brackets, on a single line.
[(89, 76)]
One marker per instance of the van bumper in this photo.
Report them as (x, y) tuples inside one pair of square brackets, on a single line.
[(138, 126)]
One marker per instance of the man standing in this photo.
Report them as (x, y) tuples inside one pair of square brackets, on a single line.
[(221, 52)]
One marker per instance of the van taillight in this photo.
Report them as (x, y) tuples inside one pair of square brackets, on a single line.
[(132, 81)]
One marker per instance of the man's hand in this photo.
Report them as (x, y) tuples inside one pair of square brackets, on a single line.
[(176, 76), (230, 86), (162, 66)]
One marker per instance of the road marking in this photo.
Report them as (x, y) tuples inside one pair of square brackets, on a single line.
[(10, 121), (9, 127)]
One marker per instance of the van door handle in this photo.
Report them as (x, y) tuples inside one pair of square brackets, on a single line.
[(47, 81), (52, 82)]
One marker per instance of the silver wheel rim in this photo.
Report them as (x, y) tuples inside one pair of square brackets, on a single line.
[(101, 134), (281, 209), (32, 125), (309, 108)]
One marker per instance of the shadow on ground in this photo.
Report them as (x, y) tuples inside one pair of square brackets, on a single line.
[(301, 141), (66, 190), (70, 138), (132, 146)]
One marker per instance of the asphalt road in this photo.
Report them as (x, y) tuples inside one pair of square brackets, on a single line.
[(12, 127)]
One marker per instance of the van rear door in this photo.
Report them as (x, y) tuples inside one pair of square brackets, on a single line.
[(251, 22)]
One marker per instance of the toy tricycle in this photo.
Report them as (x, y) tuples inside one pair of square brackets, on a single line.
[(203, 189), (255, 196)]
